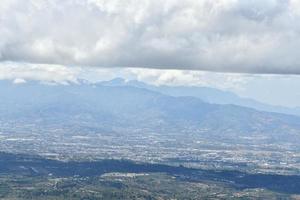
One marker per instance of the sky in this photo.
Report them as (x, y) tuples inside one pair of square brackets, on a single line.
[(246, 46)]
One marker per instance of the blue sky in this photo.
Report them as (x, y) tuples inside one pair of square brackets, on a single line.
[(277, 90)]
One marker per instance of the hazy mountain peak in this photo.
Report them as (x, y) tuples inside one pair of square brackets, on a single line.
[(207, 94), (114, 82)]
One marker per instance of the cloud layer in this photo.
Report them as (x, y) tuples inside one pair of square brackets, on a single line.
[(250, 36), (20, 73)]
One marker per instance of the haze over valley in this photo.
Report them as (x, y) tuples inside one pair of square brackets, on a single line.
[(88, 121)]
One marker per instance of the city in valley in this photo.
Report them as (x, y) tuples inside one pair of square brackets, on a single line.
[(91, 144)]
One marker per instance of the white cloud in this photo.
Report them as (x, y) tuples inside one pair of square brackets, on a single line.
[(222, 35), (19, 81), (20, 72), (222, 81)]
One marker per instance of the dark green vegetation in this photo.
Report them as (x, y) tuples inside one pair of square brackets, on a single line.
[(32, 177)]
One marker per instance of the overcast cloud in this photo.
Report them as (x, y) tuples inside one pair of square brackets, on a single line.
[(251, 36)]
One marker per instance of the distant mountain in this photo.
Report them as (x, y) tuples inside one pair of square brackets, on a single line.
[(133, 108), (210, 95)]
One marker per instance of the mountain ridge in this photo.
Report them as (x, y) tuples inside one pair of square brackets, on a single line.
[(207, 94), (139, 108)]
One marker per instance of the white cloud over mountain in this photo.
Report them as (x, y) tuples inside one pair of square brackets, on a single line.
[(272, 89), (20, 72), (250, 36)]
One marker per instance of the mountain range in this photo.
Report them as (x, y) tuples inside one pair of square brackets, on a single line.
[(131, 106), (207, 94)]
